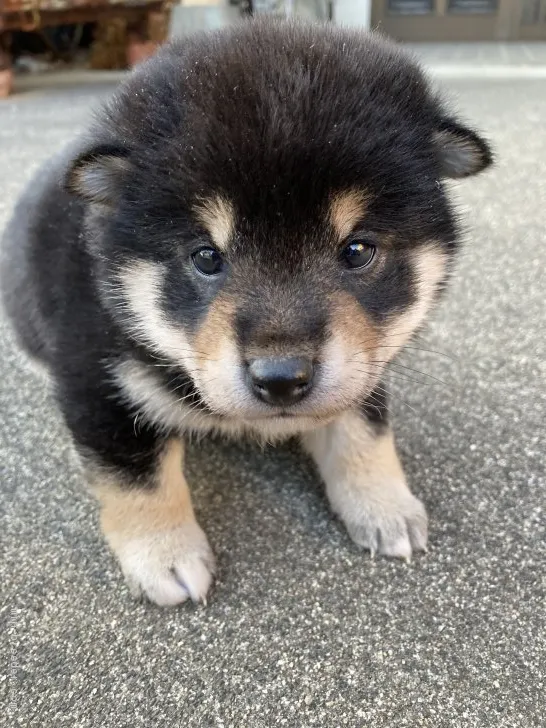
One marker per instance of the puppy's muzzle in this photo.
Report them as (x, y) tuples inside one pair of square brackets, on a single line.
[(280, 381)]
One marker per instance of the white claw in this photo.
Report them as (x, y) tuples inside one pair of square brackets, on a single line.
[(168, 567)]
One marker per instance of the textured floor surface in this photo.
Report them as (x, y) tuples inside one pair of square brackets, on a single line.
[(484, 54), (302, 629)]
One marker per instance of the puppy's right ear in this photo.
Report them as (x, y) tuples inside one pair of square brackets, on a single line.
[(98, 175)]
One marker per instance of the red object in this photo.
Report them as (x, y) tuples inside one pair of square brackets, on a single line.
[(6, 82), (139, 50)]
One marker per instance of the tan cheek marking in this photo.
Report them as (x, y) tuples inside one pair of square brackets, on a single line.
[(218, 217), (133, 512), (350, 324), (141, 284), (430, 269), (346, 210), (216, 330)]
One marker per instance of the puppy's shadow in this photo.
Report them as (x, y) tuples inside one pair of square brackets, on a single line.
[(252, 497)]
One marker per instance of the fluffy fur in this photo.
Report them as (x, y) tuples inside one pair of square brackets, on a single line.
[(280, 149)]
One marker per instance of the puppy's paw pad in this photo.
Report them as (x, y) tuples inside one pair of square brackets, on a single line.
[(393, 528), (168, 567)]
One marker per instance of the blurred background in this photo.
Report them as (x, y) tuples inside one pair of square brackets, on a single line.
[(44, 36), (302, 630)]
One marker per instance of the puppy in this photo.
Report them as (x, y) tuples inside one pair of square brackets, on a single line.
[(254, 226)]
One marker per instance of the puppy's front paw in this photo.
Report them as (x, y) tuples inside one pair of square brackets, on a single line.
[(367, 488), (388, 521), (167, 567)]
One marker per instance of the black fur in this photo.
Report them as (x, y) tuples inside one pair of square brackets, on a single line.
[(275, 117)]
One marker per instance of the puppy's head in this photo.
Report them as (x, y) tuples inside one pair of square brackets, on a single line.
[(267, 210)]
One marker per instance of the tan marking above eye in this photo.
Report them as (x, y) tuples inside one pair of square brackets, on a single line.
[(217, 216), (347, 209)]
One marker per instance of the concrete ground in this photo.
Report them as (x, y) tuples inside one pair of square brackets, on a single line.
[(482, 54), (302, 629), (483, 60)]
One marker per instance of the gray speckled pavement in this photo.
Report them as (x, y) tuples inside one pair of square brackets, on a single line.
[(302, 629)]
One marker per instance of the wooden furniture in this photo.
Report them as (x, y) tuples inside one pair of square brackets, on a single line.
[(31, 15)]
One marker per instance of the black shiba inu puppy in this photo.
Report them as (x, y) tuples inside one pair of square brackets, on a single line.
[(253, 228)]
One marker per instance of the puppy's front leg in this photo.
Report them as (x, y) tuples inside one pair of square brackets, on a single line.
[(151, 527), (366, 485)]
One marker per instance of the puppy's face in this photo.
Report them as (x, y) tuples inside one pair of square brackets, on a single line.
[(273, 322), (279, 248)]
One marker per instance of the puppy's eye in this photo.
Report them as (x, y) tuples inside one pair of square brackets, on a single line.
[(208, 261), (358, 253)]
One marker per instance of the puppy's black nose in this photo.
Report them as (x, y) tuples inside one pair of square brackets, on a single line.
[(281, 381)]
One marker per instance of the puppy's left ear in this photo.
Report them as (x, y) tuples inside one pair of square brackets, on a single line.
[(98, 174), (461, 152)]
